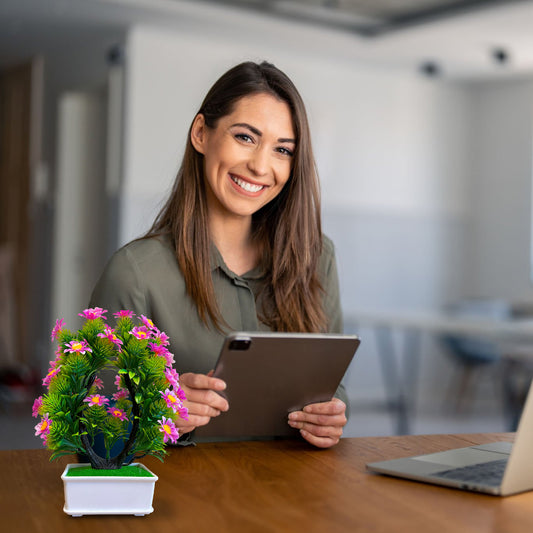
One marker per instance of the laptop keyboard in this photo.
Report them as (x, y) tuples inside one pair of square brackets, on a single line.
[(490, 473)]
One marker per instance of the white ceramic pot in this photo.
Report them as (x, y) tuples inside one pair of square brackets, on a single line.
[(108, 495)]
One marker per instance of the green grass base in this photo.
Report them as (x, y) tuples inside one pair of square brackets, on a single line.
[(129, 471)]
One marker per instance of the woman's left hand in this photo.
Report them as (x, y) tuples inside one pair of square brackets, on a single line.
[(322, 423)]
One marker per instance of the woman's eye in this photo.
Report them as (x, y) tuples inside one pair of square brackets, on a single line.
[(243, 137), (285, 151)]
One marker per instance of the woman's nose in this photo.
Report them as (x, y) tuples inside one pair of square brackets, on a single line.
[(258, 161)]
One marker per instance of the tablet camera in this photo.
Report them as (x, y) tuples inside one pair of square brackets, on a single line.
[(240, 344)]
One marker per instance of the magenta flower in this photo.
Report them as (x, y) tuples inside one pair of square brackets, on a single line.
[(172, 377), (118, 383), (171, 400), (161, 338), (93, 313), (180, 394), (78, 347), (147, 322), (96, 399), (57, 328), (117, 413), (158, 349), (140, 332), (122, 393), (43, 427), (162, 351), (124, 313), (111, 336), (169, 430), (183, 412), (52, 371), (98, 383), (36, 406)]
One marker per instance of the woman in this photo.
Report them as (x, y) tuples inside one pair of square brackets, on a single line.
[(238, 245)]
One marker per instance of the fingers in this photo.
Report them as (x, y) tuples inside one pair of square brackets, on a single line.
[(332, 407), (202, 381), (321, 424)]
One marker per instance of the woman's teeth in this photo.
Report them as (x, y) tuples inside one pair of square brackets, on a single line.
[(247, 186)]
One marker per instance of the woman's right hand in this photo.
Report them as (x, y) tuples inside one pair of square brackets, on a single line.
[(203, 402)]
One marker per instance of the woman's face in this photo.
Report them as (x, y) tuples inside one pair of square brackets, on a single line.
[(248, 155)]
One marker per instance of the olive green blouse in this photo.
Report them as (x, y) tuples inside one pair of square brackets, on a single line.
[(144, 277)]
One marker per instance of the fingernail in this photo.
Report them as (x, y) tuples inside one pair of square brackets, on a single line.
[(220, 385), (293, 416)]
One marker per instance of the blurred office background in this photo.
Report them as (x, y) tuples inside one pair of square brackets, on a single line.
[(422, 117)]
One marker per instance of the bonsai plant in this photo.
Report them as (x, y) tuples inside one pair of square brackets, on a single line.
[(75, 414)]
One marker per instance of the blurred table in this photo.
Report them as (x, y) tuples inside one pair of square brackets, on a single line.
[(277, 486), (400, 370)]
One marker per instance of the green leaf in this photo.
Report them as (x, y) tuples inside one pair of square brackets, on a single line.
[(136, 380), (138, 397), (122, 371), (131, 374)]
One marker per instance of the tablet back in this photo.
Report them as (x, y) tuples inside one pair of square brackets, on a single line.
[(268, 375)]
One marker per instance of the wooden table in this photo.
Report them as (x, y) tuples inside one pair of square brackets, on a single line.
[(280, 486)]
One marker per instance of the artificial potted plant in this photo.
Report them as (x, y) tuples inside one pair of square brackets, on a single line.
[(76, 418)]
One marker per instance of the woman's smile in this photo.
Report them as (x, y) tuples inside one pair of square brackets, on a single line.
[(246, 186)]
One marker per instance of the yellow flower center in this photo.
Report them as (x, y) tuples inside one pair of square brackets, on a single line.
[(77, 346), (167, 429), (44, 425)]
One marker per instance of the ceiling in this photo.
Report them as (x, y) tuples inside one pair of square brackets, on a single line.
[(461, 39), (368, 18)]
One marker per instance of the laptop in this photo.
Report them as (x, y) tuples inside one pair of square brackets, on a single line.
[(499, 468), (268, 375)]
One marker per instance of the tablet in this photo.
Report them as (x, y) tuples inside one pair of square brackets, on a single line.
[(269, 375)]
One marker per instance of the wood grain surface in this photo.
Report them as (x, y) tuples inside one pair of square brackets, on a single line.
[(278, 486)]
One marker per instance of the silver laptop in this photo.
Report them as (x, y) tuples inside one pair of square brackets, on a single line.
[(499, 468)]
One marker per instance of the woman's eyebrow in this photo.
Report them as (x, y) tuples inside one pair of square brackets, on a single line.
[(259, 133)]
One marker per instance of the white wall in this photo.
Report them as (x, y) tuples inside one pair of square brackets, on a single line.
[(499, 264)]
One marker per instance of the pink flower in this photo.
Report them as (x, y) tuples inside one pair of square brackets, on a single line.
[(161, 338), (93, 313), (122, 393), (52, 371), (171, 400), (124, 313), (98, 383), (118, 382), (96, 399), (172, 377), (140, 332), (183, 412), (169, 430), (162, 351), (43, 427), (57, 328), (117, 413), (78, 347), (111, 336), (36, 406), (147, 322)]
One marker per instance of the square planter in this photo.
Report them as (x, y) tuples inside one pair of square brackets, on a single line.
[(86, 495)]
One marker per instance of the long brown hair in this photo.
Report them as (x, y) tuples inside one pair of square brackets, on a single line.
[(288, 229)]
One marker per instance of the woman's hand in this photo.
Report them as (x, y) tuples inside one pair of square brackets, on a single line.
[(322, 423), (203, 402)]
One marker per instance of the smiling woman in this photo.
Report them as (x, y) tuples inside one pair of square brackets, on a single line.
[(238, 245)]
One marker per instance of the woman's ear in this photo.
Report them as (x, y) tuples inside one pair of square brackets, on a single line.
[(198, 133)]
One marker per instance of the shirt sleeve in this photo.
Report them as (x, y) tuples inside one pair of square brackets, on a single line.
[(332, 304)]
